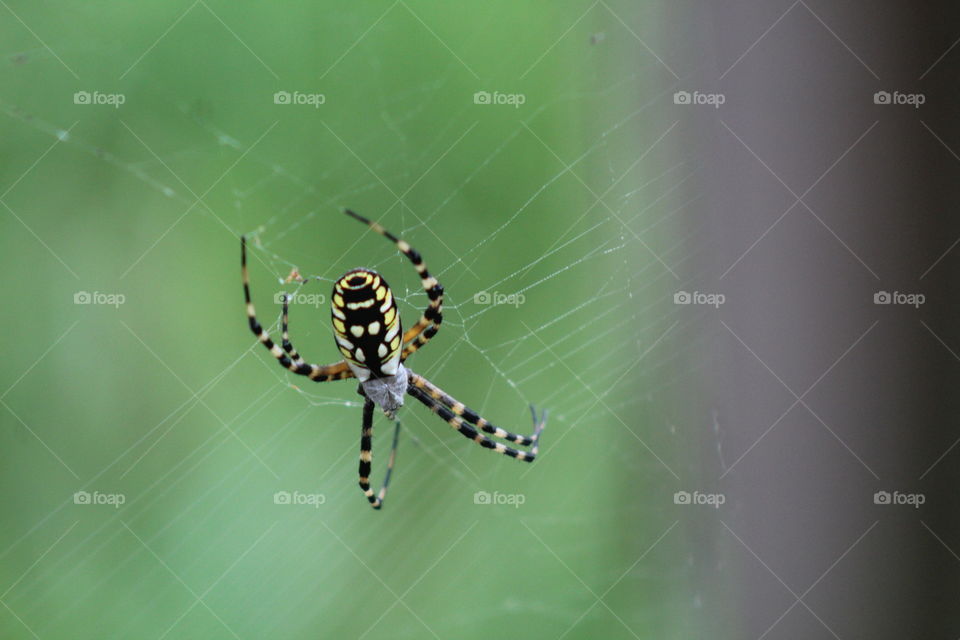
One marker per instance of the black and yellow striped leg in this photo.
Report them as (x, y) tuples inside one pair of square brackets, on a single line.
[(338, 371), (471, 416), (285, 335), (419, 341), (468, 431), (429, 323), (366, 457)]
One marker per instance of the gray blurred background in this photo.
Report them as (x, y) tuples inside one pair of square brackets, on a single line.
[(819, 197)]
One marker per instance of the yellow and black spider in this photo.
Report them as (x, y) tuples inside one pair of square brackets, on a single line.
[(367, 329)]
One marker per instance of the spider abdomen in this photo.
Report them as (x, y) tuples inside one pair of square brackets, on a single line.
[(366, 324)]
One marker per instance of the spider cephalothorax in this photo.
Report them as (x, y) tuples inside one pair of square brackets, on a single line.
[(368, 332)]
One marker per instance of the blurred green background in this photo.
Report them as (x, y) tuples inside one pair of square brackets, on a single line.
[(166, 401)]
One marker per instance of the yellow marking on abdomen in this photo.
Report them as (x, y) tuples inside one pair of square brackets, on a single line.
[(360, 305)]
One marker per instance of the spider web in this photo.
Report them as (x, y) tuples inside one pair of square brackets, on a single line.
[(585, 252), (594, 245)]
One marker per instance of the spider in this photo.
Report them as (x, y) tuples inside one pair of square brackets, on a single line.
[(368, 333)]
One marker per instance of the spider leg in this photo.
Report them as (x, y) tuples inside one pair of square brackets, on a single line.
[(429, 323), (419, 341), (285, 336), (366, 456), (318, 373), (471, 416), (468, 431)]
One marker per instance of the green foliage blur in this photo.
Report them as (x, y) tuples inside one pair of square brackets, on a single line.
[(150, 397)]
